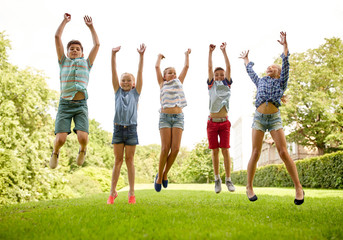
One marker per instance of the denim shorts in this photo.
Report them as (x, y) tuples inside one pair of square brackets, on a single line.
[(72, 109), (125, 134), (267, 122), (171, 120)]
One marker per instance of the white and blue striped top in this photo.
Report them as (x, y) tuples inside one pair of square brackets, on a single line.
[(172, 95)]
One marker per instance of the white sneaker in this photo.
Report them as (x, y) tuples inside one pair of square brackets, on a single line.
[(218, 185), (230, 186), (80, 159), (54, 160)]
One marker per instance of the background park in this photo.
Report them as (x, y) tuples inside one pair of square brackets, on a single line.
[(70, 201)]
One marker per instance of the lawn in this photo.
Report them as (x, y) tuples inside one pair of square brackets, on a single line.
[(191, 211)]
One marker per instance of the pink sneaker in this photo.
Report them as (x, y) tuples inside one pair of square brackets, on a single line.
[(110, 199), (132, 199)]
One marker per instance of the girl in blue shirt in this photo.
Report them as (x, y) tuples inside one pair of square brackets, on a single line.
[(270, 90), (125, 136)]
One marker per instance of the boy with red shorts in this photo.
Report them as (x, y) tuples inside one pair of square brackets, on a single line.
[(219, 87)]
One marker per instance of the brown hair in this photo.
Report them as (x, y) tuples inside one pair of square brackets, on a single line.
[(219, 69), (74, 42)]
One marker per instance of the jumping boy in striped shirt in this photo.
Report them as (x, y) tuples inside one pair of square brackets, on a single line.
[(74, 76)]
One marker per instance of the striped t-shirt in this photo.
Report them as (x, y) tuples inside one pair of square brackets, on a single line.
[(74, 76), (172, 95)]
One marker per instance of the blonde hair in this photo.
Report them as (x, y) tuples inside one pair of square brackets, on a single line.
[(165, 70), (130, 74)]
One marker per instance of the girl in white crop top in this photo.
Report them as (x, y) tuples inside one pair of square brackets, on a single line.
[(171, 117)]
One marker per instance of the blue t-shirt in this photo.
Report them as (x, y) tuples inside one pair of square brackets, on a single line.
[(126, 107)]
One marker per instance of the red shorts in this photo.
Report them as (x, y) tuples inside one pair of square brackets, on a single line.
[(221, 129)]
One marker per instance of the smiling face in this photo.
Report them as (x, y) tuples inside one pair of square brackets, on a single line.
[(169, 74), (273, 71), (219, 75), (74, 51), (126, 82)]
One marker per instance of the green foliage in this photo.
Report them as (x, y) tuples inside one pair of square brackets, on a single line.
[(314, 111), (317, 172)]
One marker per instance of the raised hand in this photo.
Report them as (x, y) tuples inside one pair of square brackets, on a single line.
[(116, 49), (67, 17), (88, 21), (188, 51), (244, 54), (160, 56), (142, 48), (282, 40), (223, 46), (212, 47)]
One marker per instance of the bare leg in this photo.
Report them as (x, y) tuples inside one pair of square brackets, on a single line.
[(175, 147), (227, 161), (129, 159), (59, 141), (215, 160), (166, 134), (82, 137), (280, 143), (118, 150), (257, 139)]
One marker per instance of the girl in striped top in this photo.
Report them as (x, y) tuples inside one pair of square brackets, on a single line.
[(171, 117)]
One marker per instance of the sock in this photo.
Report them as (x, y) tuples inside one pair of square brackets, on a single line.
[(227, 179), (216, 177)]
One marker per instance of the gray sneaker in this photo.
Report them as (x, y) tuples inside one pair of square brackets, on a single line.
[(218, 185), (230, 186)]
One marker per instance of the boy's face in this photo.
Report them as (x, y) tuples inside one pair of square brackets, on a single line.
[(170, 74), (219, 75), (75, 51), (273, 71), (126, 82)]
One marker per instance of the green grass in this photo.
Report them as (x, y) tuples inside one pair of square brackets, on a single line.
[(180, 212)]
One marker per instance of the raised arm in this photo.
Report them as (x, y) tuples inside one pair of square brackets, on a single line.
[(283, 41), (186, 66), (139, 84), (115, 80), (227, 62), (158, 69), (249, 65), (96, 43), (58, 35), (210, 66)]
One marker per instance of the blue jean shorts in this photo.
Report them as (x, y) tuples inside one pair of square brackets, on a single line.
[(125, 134), (171, 120), (267, 122), (72, 109)]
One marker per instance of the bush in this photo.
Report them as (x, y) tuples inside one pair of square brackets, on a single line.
[(317, 172)]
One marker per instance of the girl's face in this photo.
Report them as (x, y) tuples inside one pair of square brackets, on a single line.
[(75, 51), (126, 82), (170, 74), (219, 75), (273, 71)]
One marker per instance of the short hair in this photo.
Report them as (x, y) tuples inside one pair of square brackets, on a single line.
[(219, 69), (74, 42)]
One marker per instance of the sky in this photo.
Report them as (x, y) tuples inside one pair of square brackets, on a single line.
[(170, 28)]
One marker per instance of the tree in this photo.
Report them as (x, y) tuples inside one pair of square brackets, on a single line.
[(314, 111)]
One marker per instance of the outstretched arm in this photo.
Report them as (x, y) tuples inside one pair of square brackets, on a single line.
[(249, 65), (283, 41), (186, 66), (158, 69), (96, 43), (58, 35), (115, 80), (227, 62), (139, 84), (210, 66)]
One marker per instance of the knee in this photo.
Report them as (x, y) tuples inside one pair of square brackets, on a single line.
[(119, 161), (175, 150), (283, 154), (60, 139), (165, 150), (255, 155), (215, 152)]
